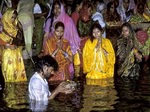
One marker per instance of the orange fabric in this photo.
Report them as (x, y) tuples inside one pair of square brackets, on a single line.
[(51, 45)]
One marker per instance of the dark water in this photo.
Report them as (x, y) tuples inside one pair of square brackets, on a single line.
[(112, 95)]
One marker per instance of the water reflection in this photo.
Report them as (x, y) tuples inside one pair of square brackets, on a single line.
[(15, 97), (133, 94), (118, 94), (100, 97)]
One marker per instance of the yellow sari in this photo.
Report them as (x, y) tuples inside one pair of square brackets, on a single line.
[(97, 64), (12, 62)]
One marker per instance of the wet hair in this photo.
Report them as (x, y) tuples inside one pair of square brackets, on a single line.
[(95, 25), (46, 60), (58, 24)]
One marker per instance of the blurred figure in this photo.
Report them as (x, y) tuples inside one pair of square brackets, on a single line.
[(99, 16), (125, 9), (26, 17), (76, 10)]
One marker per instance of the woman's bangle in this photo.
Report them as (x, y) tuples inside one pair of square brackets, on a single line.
[(66, 55), (54, 53), (135, 50)]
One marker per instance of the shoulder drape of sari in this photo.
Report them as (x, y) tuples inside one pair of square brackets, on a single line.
[(64, 71), (143, 48), (137, 18), (8, 26), (107, 45)]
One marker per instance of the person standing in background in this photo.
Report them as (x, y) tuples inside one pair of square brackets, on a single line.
[(26, 17), (41, 11), (12, 62)]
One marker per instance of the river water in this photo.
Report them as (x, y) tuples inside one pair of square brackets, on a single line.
[(112, 95)]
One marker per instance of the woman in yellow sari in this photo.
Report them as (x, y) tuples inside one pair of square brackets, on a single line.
[(12, 63), (98, 57)]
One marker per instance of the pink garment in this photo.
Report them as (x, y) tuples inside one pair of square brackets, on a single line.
[(0, 15), (75, 17), (70, 33), (1, 26)]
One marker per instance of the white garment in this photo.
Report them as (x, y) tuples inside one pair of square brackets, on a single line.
[(99, 17), (37, 9), (38, 88)]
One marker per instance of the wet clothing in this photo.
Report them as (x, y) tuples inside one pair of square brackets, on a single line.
[(97, 64), (38, 88), (12, 62), (65, 66)]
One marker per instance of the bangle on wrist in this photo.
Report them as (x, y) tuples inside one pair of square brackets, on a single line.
[(54, 53), (135, 50), (66, 55)]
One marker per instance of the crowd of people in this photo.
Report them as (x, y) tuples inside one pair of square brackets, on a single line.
[(81, 42)]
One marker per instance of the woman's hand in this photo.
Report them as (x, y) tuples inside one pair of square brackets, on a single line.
[(59, 44), (105, 52), (137, 54), (98, 45), (46, 35)]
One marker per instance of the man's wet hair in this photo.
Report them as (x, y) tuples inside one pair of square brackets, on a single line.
[(45, 60)]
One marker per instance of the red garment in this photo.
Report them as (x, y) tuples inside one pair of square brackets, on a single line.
[(84, 13), (142, 36), (75, 17), (2, 42)]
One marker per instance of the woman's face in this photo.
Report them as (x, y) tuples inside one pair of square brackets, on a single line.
[(14, 16), (57, 10), (112, 8), (97, 33), (59, 32), (90, 11), (126, 4), (125, 31), (140, 9)]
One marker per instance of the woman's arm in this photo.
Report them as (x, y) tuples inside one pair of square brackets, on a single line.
[(67, 56)]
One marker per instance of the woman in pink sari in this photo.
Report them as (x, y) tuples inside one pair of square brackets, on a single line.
[(59, 14)]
